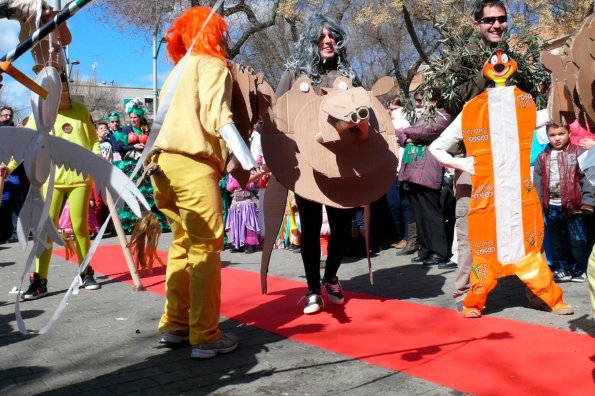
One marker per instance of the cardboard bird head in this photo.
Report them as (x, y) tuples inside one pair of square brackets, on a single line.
[(500, 67)]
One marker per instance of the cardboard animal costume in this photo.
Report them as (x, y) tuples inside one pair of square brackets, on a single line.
[(337, 148), (505, 218), (571, 61)]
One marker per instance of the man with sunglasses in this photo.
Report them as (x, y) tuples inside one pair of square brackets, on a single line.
[(492, 23), (490, 19)]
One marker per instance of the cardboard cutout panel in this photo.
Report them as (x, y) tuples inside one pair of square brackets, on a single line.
[(337, 149), (572, 64), (246, 103)]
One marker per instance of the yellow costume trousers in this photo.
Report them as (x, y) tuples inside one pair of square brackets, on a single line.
[(187, 192), (78, 198)]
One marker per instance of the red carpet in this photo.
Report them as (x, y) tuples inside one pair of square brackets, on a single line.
[(488, 356)]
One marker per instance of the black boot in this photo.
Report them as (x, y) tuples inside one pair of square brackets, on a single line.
[(89, 282)]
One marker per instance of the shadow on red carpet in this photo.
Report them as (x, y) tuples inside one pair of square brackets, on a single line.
[(487, 356)]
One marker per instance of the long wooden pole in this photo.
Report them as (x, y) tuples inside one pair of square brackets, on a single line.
[(138, 286)]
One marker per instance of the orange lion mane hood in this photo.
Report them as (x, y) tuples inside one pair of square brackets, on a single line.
[(212, 40)]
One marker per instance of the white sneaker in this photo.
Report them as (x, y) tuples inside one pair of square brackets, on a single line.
[(580, 278), (227, 343), (173, 339), (314, 303)]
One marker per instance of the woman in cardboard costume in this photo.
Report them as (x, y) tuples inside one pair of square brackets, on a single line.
[(191, 152), (320, 55)]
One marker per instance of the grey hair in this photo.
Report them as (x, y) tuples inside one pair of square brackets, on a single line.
[(306, 55)]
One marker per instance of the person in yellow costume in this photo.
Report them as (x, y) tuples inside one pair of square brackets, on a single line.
[(191, 151), (75, 125)]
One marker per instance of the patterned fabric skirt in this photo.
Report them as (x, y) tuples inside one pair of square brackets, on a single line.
[(65, 225), (127, 218), (242, 223)]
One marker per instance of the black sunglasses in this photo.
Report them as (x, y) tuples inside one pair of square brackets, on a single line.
[(491, 20)]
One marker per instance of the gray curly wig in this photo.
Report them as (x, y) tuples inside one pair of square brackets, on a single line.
[(306, 55)]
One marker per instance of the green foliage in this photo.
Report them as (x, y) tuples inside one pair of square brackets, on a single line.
[(462, 58)]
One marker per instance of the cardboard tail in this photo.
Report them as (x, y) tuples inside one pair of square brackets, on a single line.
[(274, 207)]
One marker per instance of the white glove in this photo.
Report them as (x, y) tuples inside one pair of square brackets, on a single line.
[(231, 135)]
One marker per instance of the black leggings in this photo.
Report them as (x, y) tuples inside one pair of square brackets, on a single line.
[(311, 221)]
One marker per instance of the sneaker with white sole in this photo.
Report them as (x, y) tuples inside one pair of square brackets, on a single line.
[(580, 278), (37, 288), (562, 276), (89, 282), (334, 290), (174, 338), (314, 303), (227, 343)]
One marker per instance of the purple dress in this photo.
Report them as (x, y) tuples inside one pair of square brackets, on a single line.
[(242, 218)]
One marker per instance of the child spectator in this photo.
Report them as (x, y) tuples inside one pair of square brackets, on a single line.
[(65, 225), (97, 207), (564, 194), (242, 219), (105, 142)]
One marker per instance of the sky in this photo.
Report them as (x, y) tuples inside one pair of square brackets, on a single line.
[(103, 51)]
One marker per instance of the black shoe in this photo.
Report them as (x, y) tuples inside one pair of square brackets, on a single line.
[(449, 265), (422, 255), (239, 250), (38, 287), (434, 259), (249, 249), (334, 290), (89, 282)]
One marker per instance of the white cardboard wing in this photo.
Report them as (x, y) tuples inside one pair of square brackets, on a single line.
[(105, 175)]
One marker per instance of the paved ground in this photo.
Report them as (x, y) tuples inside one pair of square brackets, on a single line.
[(106, 341)]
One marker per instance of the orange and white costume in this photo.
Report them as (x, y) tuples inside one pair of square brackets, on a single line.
[(505, 218)]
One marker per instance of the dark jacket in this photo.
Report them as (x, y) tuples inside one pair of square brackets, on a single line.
[(425, 171), (116, 144), (123, 148), (575, 189)]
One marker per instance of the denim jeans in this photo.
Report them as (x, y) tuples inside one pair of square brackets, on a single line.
[(399, 209), (568, 240)]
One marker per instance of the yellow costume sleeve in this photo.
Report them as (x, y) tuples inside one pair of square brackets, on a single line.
[(199, 107)]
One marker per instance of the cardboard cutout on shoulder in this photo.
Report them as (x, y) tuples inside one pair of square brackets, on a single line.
[(571, 60), (247, 99)]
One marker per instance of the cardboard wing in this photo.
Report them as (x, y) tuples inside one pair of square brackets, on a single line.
[(571, 60), (559, 101), (583, 50), (246, 108)]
